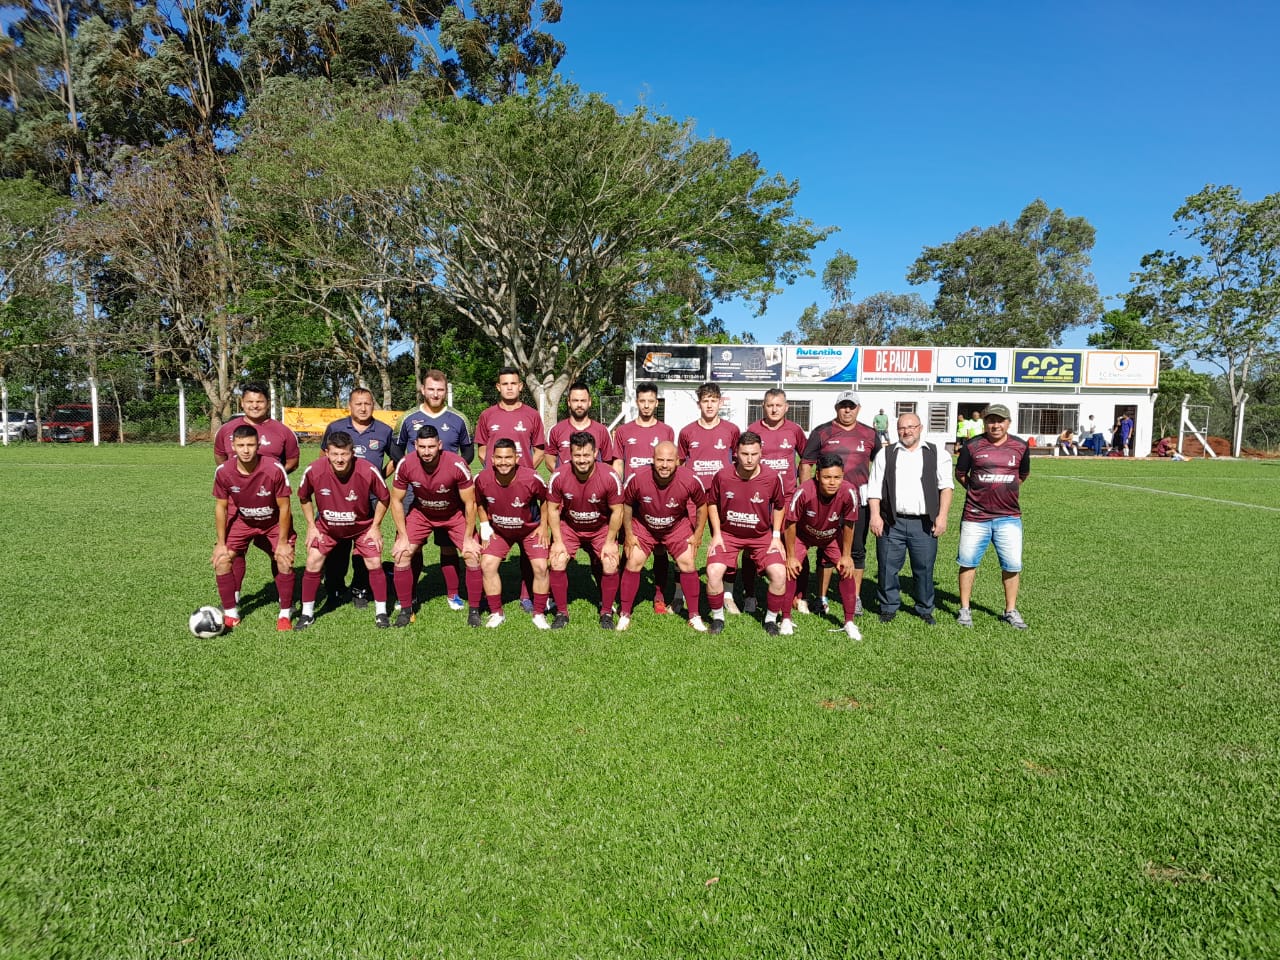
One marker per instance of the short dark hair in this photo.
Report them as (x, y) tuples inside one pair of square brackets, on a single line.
[(434, 374), (244, 432), (505, 371), (504, 443), (708, 390), (427, 432), (646, 386), (340, 439), (255, 386), (355, 390), (775, 392), (578, 385), (582, 438), (828, 460), (748, 438)]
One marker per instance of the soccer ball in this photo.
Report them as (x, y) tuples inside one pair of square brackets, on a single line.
[(206, 622)]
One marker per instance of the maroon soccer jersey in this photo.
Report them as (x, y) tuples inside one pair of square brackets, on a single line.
[(522, 425), (746, 506), (992, 475), (633, 444), (854, 446), (585, 507), (435, 490), (817, 519), (253, 495), (342, 506), (661, 508), (558, 441), (707, 450), (275, 440), (514, 509), (779, 448)]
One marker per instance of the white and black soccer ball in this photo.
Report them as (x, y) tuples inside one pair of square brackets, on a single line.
[(206, 623)]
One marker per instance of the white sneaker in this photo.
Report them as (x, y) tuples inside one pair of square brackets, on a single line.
[(802, 606), (540, 621), (786, 628), (749, 605), (852, 630), (697, 624), (730, 605), (623, 623), (496, 620)]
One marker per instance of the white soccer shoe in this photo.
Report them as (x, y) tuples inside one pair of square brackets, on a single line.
[(730, 605), (496, 620), (697, 624), (540, 621), (623, 624), (852, 630), (786, 627)]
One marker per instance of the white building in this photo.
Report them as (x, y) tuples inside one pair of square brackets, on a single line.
[(1047, 391)]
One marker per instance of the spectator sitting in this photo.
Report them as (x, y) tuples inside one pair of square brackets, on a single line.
[(1067, 444)]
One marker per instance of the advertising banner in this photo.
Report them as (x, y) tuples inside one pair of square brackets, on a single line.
[(746, 364), (313, 420), (657, 361), (1122, 368), (896, 365), (1047, 368), (821, 364), (972, 365)]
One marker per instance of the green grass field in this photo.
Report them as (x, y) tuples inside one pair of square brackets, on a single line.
[(1106, 783)]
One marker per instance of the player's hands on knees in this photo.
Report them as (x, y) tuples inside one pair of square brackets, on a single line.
[(717, 543), (793, 568), (221, 555), (559, 555), (284, 556), (845, 567), (312, 537), (471, 550), (374, 539)]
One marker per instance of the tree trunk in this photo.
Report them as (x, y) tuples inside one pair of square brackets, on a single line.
[(546, 396)]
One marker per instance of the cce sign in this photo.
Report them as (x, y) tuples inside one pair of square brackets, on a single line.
[(1046, 367)]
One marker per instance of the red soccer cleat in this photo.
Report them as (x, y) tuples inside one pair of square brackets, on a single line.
[(659, 607), (284, 624), (229, 622)]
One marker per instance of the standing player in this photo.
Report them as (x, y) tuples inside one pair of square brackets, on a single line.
[(746, 511), (455, 437), (579, 420), (251, 506), (822, 514), (992, 469), (655, 512), (513, 419), (854, 443), (781, 443), (706, 445), (633, 446), (372, 441), (508, 495), (350, 501), (584, 507), (443, 499)]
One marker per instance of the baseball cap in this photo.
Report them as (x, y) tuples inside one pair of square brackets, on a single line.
[(997, 410), (848, 397)]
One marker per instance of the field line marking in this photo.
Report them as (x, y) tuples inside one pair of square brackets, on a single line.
[(1170, 493)]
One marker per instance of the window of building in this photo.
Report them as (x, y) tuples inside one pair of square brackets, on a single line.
[(1047, 417), (797, 411), (903, 406), (940, 418)]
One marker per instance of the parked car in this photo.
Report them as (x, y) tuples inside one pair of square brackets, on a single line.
[(73, 423), (21, 425)]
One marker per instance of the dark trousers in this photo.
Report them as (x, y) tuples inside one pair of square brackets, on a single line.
[(909, 536)]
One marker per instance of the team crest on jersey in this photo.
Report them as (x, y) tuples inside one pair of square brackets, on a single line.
[(756, 498), (594, 498), (672, 504), (373, 444), (266, 442), (720, 445), (517, 503), (862, 447), (1013, 461), (443, 488), (786, 445), (520, 427), (351, 496)]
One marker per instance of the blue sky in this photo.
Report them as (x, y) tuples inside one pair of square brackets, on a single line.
[(908, 123)]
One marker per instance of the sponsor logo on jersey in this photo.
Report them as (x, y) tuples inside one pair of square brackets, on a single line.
[(996, 477), (326, 492), (737, 516), (339, 516)]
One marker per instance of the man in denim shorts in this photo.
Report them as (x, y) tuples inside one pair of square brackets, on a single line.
[(992, 468)]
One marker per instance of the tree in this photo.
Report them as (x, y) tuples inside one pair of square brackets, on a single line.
[(882, 318), (1222, 305), (1022, 284)]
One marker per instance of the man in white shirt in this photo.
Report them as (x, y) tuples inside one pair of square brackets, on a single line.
[(908, 497)]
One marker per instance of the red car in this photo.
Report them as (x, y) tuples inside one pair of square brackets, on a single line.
[(73, 423)]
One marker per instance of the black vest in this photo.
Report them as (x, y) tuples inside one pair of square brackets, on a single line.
[(928, 480)]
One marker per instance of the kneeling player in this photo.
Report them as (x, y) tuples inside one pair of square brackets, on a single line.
[(443, 499), (258, 489), (656, 513), (584, 507), (823, 514), (746, 510), (343, 485), (508, 495)]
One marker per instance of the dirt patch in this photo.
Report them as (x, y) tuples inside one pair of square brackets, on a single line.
[(1039, 769), (1172, 873), (1221, 446), (842, 703)]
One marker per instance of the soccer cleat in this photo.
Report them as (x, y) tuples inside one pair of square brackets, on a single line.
[(360, 599), (551, 605), (851, 630), (473, 617), (717, 625), (660, 608), (381, 621), (801, 605), (404, 617), (304, 620), (540, 621), (560, 622), (229, 622), (786, 628), (526, 605), (623, 623), (771, 628), (964, 617), (730, 605), (457, 603), (284, 624), (749, 605), (697, 625), (496, 620), (606, 621), (1014, 619), (823, 605)]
